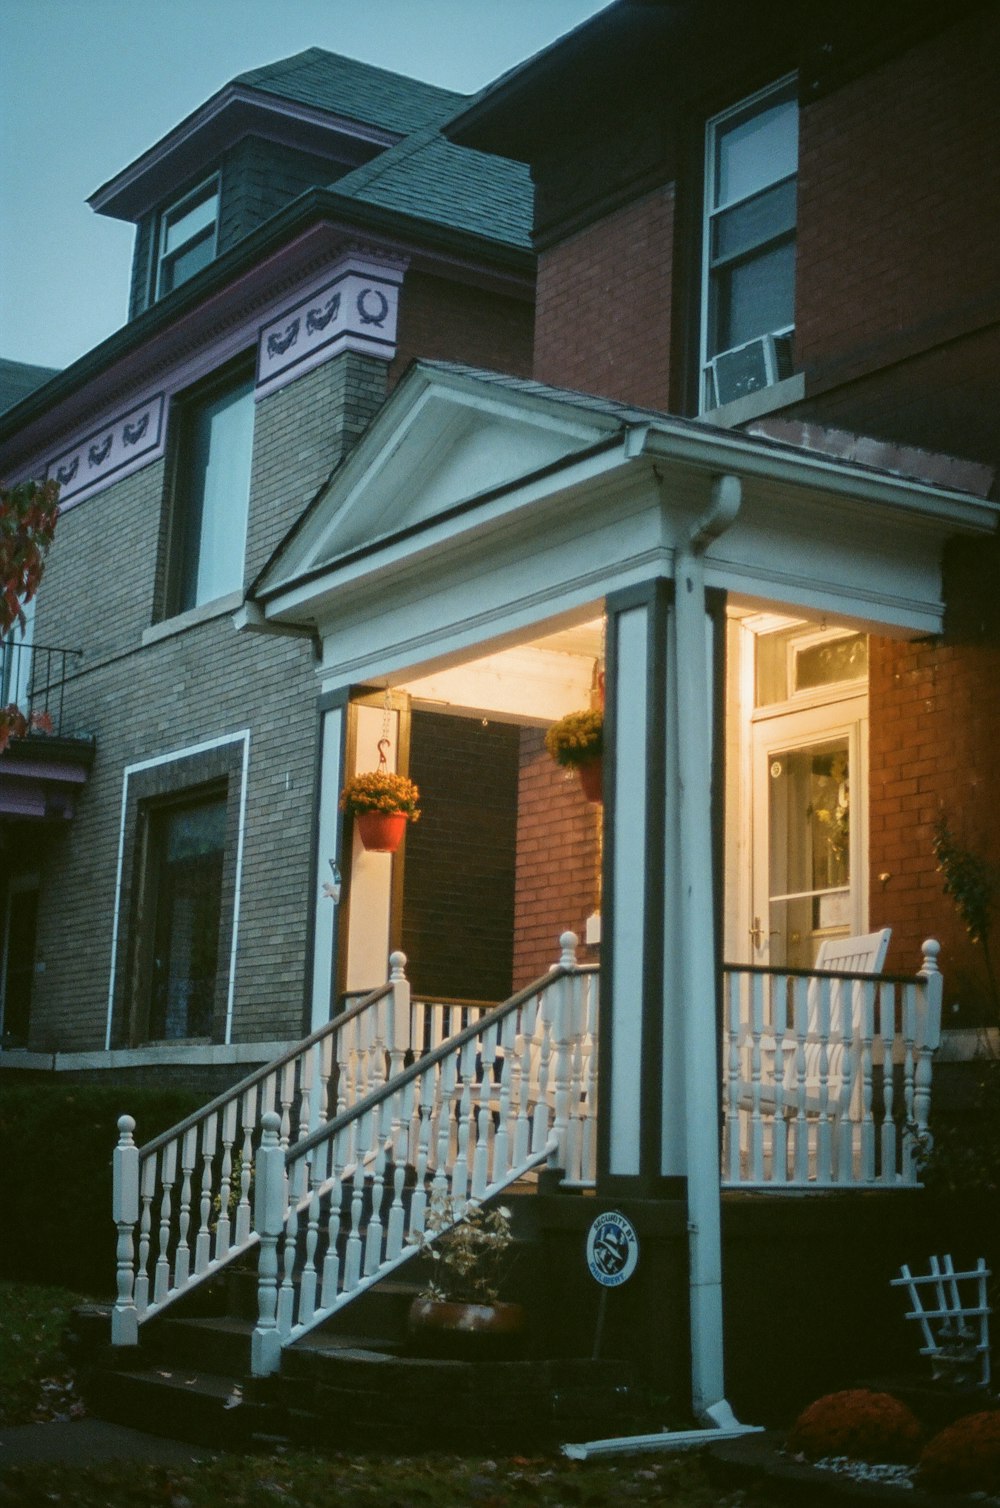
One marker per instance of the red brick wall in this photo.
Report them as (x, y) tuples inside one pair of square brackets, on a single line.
[(602, 319), (450, 321), (934, 751), (899, 209), (556, 883)]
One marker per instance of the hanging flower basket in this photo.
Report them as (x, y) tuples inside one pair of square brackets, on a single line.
[(577, 742), (381, 803), (381, 832)]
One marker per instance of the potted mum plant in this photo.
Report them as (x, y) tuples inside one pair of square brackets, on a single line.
[(458, 1313), (381, 803), (577, 741)]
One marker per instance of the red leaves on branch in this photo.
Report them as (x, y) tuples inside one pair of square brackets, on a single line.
[(28, 513)]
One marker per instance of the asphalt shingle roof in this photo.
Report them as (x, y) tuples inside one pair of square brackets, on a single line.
[(427, 177), (18, 379), (357, 91)]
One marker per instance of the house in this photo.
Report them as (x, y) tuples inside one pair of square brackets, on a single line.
[(747, 488), (299, 239)]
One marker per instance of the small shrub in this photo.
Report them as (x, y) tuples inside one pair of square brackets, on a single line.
[(859, 1423), (965, 1457)]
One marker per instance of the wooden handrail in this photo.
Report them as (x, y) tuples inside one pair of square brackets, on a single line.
[(468, 1034), (259, 1074)]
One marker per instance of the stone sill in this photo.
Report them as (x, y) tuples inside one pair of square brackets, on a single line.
[(180, 622), (764, 401), (158, 1055)]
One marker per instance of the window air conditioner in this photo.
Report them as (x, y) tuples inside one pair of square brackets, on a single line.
[(744, 369)]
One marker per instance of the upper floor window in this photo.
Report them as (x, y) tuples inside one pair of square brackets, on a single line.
[(211, 493), (187, 237), (748, 283)]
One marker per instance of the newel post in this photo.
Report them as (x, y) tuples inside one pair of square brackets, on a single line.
[(562, 1029), (125, 1209), (928, 1034), (399, 1019), (269, 1219)]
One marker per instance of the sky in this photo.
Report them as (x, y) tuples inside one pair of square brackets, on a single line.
[(87, 85)]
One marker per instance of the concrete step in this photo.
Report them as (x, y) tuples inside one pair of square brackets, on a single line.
[(219, 1342), (181, 1403)]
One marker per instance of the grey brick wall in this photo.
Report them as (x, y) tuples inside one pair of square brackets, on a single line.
[(206, 682)]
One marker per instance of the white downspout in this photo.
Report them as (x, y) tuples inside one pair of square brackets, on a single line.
[(695, 897)]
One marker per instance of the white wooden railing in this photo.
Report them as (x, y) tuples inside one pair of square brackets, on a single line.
[(182, 1202), (514, 1089), (827, 1076)]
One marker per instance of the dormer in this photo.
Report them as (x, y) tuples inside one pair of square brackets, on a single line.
[(257, 144)]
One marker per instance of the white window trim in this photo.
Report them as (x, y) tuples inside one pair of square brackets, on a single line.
[(147, 764), (750, 103), (172, 211)]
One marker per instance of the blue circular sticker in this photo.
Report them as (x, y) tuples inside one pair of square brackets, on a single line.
[(612, 1249)]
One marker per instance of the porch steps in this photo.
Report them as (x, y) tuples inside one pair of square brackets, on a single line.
[(351, 1384)]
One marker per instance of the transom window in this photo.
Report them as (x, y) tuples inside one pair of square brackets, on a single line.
[(748, 302), (187, 237), (212, 493)]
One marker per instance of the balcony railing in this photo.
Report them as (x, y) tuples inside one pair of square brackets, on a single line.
[(34, 676)]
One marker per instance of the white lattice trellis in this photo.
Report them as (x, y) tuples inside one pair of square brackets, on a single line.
[(955, 1324)]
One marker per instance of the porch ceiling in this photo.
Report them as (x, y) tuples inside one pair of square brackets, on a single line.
[(478, 507)]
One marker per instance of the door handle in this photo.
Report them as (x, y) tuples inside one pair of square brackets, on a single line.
[(757, 932)]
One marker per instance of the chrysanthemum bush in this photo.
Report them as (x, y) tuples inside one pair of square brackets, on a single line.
[(381, 791), (28, 513), (860, 1423), (468, 1259), (577, 738), (965, 1457)]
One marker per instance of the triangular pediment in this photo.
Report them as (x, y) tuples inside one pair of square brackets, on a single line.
[(443, 438)]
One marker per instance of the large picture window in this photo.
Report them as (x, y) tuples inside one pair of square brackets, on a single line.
[(748, 305), (186, 849), (212, 494), (187, 237)]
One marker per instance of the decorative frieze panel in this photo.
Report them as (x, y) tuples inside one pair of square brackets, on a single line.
[(354, 310), (125, 439)]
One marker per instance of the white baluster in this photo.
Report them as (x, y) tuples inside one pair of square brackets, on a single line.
[(824, 1138), (502, 1138), (147, 1188), (296, 1187), (460, 1170), (352, 1259), (203, 1241), (778, 991), (307, 1282), (331, 1261), (756, 1070), (908, 1172), (867, 1030), (182, 1260), (125, 1210), (373, 1235), (847, 995), (402, 1111), (540, 1117), (731, 1130), (168, 1173), (444, 1089), (424, 1087), (887, 1031), (269, 1192), (222, 1229), (800, 1006), (249, 1114)]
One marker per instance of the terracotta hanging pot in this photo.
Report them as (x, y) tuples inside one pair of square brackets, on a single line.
[(464, 1331), (592, 778), (381, 832)]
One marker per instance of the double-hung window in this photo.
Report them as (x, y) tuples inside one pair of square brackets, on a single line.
[(211, 493), (748, 282), (187, 237)]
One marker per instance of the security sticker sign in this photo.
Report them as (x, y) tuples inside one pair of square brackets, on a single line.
[(612, 1250)]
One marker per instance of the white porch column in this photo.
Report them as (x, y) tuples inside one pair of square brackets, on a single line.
[(632, 995), (327, 846)]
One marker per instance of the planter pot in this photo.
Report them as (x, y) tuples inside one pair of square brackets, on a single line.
[(381, 832), (592, 778), (464, 1332)]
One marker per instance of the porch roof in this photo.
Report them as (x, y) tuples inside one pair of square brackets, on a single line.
[(478, 504)]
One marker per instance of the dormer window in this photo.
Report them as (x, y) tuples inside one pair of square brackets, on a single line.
[(748, 286), (187, 237)]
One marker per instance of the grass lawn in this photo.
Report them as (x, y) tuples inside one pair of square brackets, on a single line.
[(36, 1383)]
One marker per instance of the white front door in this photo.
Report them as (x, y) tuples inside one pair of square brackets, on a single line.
[(808, 786), (804, 789)]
